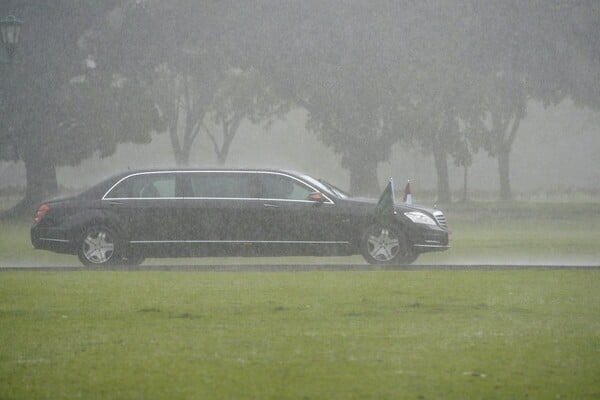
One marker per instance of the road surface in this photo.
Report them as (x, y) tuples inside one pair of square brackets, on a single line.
[(298, 267)]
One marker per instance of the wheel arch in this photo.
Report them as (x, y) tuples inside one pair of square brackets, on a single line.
[(406, 257), (395, 223), (86, 219)]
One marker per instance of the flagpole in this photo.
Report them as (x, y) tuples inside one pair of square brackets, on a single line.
[(407, 193)]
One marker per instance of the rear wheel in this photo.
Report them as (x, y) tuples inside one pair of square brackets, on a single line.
[(385, 245), (99, 246)]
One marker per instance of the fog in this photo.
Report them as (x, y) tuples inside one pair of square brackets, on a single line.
[(550, 96), (557, 150), (545, 157), (503, 97)]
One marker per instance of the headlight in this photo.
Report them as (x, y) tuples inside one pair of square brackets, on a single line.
[(420, 218)]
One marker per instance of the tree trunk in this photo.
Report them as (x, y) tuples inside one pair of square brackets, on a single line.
[(504, 174), (363, 178), (504, 129), (175, 146), (180, 153), (440, 158), (41, 180), (41, 185)]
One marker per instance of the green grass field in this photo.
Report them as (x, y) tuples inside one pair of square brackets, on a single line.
[(312, 335), (537, 233)]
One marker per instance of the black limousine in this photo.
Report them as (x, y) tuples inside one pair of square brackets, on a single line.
[(241, 212)]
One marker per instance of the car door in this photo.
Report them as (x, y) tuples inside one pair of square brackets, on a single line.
[(147, 207), (290, 215), (220, 206)]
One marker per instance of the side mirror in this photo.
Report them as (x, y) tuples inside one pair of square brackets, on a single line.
[(316, 197)]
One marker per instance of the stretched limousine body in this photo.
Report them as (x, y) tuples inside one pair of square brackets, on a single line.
[(241, 212)]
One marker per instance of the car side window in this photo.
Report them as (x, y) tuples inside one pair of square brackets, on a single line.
[(145, 186), (223, 185), (275, 186)]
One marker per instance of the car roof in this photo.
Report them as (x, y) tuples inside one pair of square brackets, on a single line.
[(106, 185), (207, 169)]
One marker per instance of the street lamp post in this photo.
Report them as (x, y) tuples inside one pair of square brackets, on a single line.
[(10, 28), (11, 31)]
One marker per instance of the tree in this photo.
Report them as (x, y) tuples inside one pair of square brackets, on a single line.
[(185, 100), (445, 83), (118, 109), (361, 122), (371, 75), (180, 47), (40, 129), (339, 62), (241, 95), (531, 56)]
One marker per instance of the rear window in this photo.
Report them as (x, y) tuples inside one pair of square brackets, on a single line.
[(146, 186)]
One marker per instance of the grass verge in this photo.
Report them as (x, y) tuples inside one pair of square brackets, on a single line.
[(317, 335)]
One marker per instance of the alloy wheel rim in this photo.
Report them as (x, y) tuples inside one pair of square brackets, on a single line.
[(382, 246), (98, 247)]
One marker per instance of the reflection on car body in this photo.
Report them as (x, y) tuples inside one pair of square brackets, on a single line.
[(232, 212)]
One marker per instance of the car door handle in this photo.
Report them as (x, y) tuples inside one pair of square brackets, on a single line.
[(115, 203), (270, 205)]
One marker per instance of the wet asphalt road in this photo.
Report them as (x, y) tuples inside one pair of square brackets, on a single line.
[(300, 268)]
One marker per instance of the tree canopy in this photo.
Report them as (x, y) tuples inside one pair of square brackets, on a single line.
[(449, 77), (58, 108)]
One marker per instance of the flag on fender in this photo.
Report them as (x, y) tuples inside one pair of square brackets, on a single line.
[(407, 194), (385, 206)]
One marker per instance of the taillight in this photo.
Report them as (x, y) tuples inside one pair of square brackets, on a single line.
[(41, 212)]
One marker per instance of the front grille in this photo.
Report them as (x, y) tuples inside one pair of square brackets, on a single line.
[(441, 219)]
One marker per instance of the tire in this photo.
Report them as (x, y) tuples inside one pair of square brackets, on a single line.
[(384, 245), (99, 246)]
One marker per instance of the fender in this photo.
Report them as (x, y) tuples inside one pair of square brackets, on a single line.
[(84, 219)]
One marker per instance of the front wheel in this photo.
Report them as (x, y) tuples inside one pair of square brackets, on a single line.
[(98, 246), (384, 245)]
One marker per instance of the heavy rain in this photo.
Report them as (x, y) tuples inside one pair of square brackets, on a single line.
[(330, 113), (470, 102)]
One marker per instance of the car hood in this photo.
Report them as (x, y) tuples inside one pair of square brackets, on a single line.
[(399, 207)]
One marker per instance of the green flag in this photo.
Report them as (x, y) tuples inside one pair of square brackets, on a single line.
[(385, 206)]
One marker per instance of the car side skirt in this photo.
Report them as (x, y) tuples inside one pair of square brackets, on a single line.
[(238, 241), (202, 248)]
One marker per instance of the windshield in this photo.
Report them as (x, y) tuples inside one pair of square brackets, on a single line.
[(336, 190), (328, 188)]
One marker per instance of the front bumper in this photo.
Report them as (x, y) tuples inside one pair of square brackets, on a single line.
[(426, 238)]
